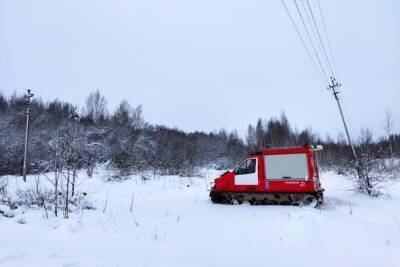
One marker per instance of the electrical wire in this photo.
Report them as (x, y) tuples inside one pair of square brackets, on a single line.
[(320, 39), (303, 42), (327, 38), (329, 62), (311, 42), (314, 33)]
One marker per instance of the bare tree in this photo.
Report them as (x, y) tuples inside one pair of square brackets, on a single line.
[(122, 115), (251, 138), (57, 162), (137, 117), (96, 106), (68, 147), (388, 130), (3, 187), (371, 175), (260, 135), (66, 207), (127, 116)]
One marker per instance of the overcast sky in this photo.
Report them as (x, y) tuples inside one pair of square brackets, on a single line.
[(205, 64)]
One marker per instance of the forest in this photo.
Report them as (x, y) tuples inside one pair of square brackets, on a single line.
[(63, 137)]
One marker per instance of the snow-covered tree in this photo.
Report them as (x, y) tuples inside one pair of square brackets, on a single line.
[(96, 106)]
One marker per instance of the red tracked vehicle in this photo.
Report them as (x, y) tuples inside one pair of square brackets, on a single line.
[(283, 176)]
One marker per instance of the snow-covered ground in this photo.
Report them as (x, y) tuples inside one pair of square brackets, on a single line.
[(173, 224)]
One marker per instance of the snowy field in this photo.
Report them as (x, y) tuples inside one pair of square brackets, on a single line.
[(173, 224)]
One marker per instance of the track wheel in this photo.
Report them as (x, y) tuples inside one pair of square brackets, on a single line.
[(310, 201), (297, 204), (252, 201), (273, 202), (235, 202), (218, 198), (257, 203)]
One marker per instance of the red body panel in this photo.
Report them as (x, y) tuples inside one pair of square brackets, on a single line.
[(226, 183)]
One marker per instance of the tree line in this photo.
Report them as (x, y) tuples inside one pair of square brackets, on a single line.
[(63, 137)]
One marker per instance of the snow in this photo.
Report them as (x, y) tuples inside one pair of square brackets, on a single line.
[(175, 224)]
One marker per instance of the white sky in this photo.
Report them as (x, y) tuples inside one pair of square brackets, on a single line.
[(203, 65)]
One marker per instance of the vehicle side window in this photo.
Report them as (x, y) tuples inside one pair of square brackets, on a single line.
[(286, 166), (247, 167)]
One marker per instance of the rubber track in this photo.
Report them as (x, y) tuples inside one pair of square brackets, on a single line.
[(273, 198)]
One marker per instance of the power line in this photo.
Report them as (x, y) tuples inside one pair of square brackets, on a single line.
[(302, 41), (327, 37), (332, 84), (314, 32), (309, 38), (320, 39)]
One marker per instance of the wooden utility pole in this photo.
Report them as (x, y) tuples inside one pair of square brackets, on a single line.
[(28, 97), (334, 87)]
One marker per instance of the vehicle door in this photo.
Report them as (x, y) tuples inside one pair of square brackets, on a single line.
[(247, 172)]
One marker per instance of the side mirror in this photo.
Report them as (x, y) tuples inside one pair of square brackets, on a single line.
[(318, 148)]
